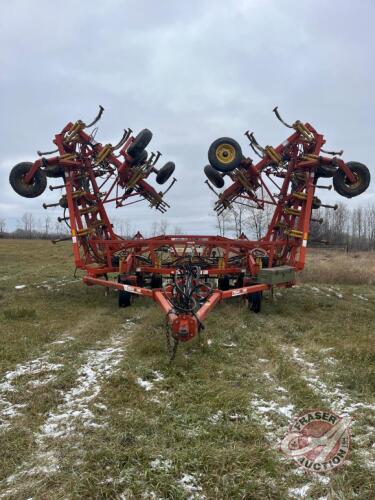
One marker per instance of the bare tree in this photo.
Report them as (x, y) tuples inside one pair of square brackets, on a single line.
[(47, 224), (3, 225), (163, 226), (28, 223)]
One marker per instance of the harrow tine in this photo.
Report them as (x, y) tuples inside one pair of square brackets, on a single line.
[(40, 153), (97, 118), (333, 153), (276, 111)]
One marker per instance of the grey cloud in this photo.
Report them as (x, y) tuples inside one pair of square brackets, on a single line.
[(189, 71)]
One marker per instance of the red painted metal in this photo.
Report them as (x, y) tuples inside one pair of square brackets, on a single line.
[(95, 175)]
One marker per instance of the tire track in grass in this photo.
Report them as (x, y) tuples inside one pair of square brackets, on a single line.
[(75, 412), (274, 413), (340, 401)]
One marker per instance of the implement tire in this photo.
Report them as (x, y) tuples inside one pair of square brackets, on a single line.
[(36, 186)]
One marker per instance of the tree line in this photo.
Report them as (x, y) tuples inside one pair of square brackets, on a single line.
[(352, 228), (30, 227)]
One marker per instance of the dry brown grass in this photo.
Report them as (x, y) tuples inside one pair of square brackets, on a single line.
[(339, 267)]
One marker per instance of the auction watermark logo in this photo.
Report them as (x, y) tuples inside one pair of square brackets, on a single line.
[(318, 440)]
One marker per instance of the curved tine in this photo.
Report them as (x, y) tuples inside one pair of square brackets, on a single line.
[(170, 185), (334, 153), (255, 151), (255, 143), (275, 110), (40, 153), (99, 115), (122, 141)]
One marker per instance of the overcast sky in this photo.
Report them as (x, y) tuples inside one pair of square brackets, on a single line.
[(190, 71)]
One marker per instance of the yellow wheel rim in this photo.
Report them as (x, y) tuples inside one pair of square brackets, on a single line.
[(225, 153)]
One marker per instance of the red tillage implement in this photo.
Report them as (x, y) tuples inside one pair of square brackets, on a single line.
[(187, 275)]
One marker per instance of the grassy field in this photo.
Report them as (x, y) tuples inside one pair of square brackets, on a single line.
[(91, 408)]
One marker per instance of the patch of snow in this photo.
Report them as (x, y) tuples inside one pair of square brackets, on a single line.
[(229, 344), (281, 389), (361, 297), (145, 384), (35, 367), (263, 360), (188, 483), (161, 464), (234, 417), (20, 287), (299, 492), (216, 417), (158, 376), (74, 411)]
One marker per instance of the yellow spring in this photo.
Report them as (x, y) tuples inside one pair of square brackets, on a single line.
[(88, 210), (292, 211), (300, 196), (294, 233), (107, 149), (273, 154)]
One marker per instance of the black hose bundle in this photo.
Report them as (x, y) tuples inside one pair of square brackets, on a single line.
[(188, 290)]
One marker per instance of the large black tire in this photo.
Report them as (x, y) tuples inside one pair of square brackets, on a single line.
[(32, 190), (140, 143), (156, 281), (214, 176), (225, 154), (124, 297), (363, 177), (223, 283), (255, 301), (165, 172)]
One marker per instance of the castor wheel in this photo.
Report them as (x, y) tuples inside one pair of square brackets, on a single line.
[(37, 185), (225, 154), (347, 189)]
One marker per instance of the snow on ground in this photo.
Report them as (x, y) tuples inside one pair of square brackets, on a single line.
[(75, 408), (189, 483), (75, 411), (20, 287), (340, 401), (361, 297), (54, 285), (268, 413), (41, 371), (160, 464), (147, 385)]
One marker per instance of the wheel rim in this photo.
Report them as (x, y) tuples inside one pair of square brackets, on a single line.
[(225, 153), (355, 184)]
